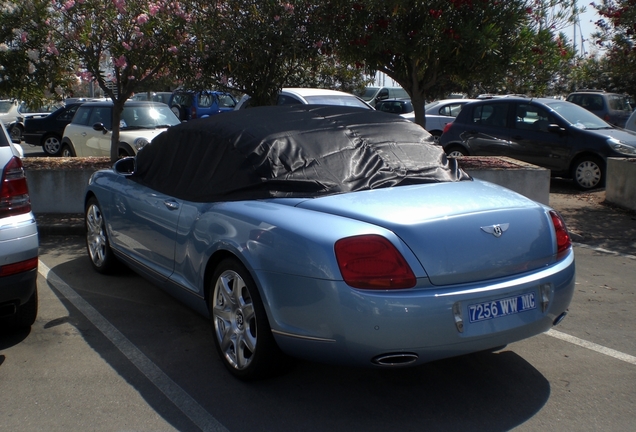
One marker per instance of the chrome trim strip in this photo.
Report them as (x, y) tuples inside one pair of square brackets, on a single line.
[(309, 338), (569, 260)]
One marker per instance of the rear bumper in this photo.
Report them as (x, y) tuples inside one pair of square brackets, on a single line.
[(16, 290), (18, 242), (32, 139), (331, 322)]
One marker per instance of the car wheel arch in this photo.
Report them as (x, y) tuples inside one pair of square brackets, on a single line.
[(449, 148), (126, 148), (67, 143), (216, 258)]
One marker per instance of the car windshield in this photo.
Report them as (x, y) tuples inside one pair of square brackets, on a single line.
[(578, 117), (368, 93), (5, 106), (147, 117), (431, 105), (350, 101)]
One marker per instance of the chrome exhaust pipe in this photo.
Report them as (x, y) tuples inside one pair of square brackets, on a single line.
[(559, 318), (395, 359)]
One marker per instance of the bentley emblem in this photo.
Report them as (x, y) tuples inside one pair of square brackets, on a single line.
[(496, 230)]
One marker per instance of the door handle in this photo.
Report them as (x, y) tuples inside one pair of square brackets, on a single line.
[(171, 205)]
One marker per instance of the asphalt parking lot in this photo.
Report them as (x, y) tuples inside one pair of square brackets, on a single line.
[(115, 353)]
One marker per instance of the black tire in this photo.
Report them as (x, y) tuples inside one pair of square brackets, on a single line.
[(436, 134), (456, 151), (26, 314), (97, 244), (242, 335), (52, 145), (67, 151), (16, 133), (588, 172), (124, 151)]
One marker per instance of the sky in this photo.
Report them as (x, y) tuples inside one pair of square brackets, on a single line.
[(587, 27)]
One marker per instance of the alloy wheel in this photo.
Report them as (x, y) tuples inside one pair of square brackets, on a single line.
[(234, 320)]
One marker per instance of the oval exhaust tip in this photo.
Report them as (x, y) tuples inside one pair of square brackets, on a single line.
[(395, 359), (559, 318)]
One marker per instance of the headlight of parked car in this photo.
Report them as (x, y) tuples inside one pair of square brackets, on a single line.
[(621, 147), (140, 143)]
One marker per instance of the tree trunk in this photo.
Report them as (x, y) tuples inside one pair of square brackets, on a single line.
[(118, 107)]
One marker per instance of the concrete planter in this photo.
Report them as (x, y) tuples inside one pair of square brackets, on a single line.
[(620, 184), (57, 185), (527, 179)]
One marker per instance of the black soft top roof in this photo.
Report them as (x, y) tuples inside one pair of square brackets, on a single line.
[(291, 151)]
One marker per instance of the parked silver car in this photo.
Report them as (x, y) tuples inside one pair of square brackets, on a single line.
[(611, 107), (18, 241)]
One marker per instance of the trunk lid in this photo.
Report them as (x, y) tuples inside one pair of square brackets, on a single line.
[(460, 232)]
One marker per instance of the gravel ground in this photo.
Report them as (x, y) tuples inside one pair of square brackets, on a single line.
[(592, 221)]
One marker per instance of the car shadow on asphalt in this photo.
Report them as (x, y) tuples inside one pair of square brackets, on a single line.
[(497, 391)]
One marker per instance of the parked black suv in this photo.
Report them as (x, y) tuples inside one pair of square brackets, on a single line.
[(611, 107), (554, 134)]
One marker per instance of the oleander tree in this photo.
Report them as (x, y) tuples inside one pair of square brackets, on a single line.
[(617, 35), (434, 47), (31, 67), (256, 47), (123, 45)]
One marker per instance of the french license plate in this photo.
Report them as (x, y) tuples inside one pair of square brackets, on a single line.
[(501, 307)]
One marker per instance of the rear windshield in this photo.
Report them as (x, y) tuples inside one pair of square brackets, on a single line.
[(336, 100), (618, 103)]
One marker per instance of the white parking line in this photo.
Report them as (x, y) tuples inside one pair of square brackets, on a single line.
[(169, 388), (592, 346)]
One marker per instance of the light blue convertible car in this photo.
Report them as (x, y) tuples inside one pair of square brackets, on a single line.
[(333, 234)]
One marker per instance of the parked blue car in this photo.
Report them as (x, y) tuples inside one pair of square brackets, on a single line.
[(190, 104), (335, 234)]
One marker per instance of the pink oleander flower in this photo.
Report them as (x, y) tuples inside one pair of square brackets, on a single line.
[(153, 9), (120, 62), (69, 4), (120, 5), (126, 46), (23, 37), (142, 19), (173, 49)]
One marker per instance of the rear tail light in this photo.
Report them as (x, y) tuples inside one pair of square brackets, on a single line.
[(372, 262), (563, 241), (19, 267), (193, 113), (447, 127), (14, 193)]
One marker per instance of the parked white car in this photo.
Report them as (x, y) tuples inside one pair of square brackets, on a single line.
[(90, 131), (438, 113), (442, 112), (18, 241), (311, 96)]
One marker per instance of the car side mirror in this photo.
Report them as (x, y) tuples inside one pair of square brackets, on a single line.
[(100, 127), (125, 166), (554, 128)]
